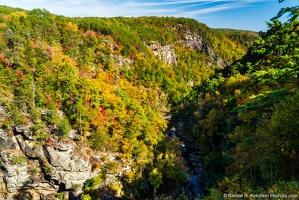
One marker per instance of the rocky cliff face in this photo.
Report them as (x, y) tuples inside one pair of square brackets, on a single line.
[(30, 169), (194, 41), (164, 52)]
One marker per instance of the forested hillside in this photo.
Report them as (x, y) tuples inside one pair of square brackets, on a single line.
[(245, 117), (83, 104)]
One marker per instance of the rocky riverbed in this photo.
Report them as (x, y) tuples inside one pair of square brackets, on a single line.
[(197, 181)]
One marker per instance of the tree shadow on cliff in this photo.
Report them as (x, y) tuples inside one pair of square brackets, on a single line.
[(23, 193)]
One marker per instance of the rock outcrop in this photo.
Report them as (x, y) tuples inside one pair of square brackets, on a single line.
[(164, 52), (35, 170), (194, 41), (2, 113)]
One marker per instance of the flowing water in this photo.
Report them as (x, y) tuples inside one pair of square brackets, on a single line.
[(195, 173)]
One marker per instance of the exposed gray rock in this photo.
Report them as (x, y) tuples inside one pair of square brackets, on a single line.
[(69, 169), (164, 52), (19, 173), (3, 113), (7, 141), (15, 172), (51, 196), (197, 43), (39, 170), (193, 41), (29, 152), (65, 146), (121, 61), (73, 134), (24, 131), (65, 160), (30, 148), (45, 112)]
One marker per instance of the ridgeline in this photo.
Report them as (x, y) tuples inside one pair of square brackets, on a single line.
[(85, 106)]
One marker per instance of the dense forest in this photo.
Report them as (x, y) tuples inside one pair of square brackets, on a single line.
[(108, 85), (244, 117)]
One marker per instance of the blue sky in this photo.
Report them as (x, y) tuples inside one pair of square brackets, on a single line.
[(236, 14)]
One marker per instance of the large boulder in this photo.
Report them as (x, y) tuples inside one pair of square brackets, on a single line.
[(14, 166), (68, 169)]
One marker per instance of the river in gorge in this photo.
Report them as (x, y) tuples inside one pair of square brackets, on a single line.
[(196, 176)]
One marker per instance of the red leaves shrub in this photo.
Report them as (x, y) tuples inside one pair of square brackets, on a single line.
[(21, 74)]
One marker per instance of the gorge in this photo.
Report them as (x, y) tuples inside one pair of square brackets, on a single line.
[(148, 107)]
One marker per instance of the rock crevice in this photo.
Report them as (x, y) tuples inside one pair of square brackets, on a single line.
[(41, 170)]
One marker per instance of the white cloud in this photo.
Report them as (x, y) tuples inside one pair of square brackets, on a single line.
[(104, 8), (214, 9)]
